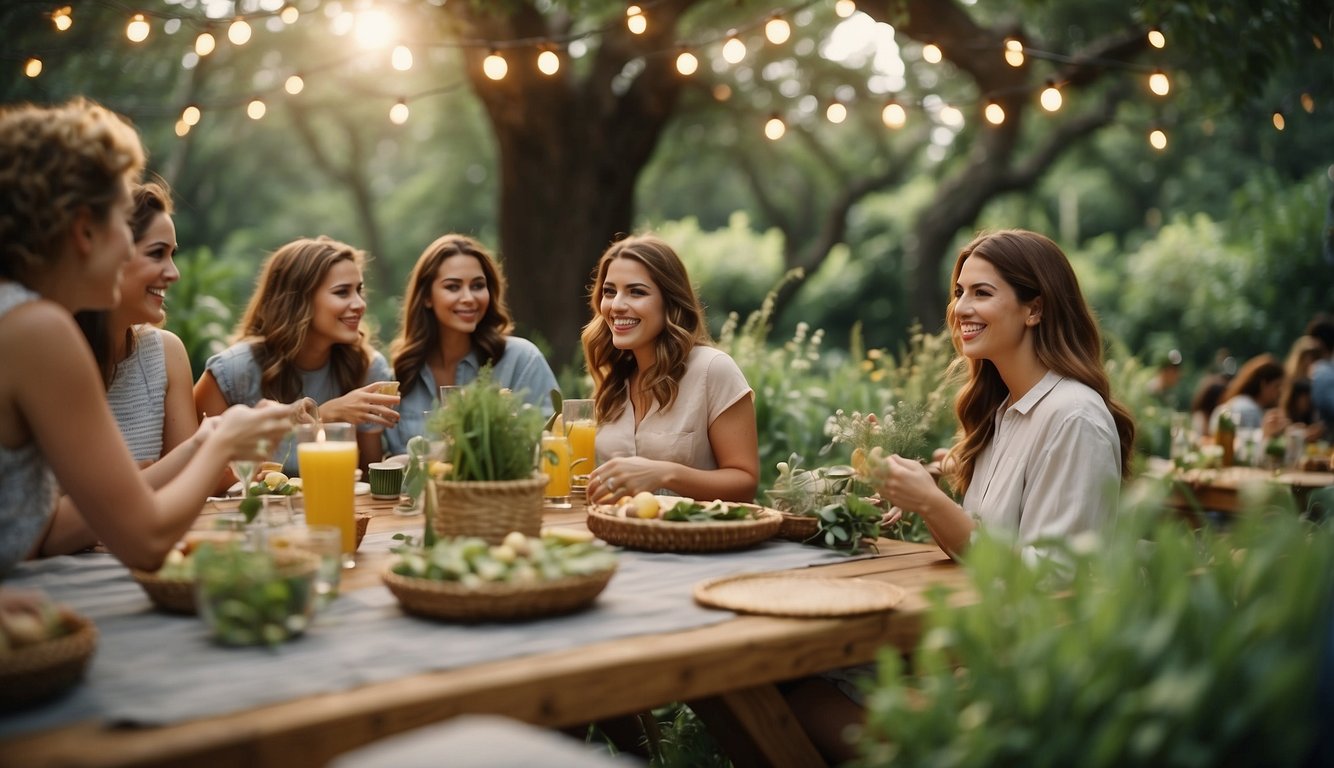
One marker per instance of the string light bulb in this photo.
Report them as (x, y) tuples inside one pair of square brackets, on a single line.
[(932, 54), (494, 66), (182, 128), (845, 8), (548, 63), (63, 18), (398, 114), (635, 20), (256, 109), (1014, 52), (775, 128), (686, 63), (1278, 120), (733, 50), (294, 85), (289, 15), (1156, 38), (190, 115), (205, 44), (401, 58), (1051, 97), (32, 67), (777, 30), (894, 115), (239, 32), (994, 113), (1158, 139), (137, 30), (1308, 102), (836, 112), (1158, 82)]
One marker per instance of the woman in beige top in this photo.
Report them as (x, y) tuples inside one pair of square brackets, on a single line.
[(674, 413)]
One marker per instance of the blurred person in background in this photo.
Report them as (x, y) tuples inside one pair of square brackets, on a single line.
[(1252, 397)]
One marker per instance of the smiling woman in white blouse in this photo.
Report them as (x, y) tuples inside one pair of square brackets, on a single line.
[(1044, 446)]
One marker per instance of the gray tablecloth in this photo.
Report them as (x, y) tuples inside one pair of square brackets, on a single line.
[(155, 669)]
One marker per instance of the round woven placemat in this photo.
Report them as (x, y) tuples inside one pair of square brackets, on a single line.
[(35, 673), (779, 594), (656, 535), (495, 601)]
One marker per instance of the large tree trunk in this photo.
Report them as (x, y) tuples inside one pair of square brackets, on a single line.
[(571, 147)]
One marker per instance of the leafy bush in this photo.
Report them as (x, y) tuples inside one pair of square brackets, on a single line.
[(1156, 646)]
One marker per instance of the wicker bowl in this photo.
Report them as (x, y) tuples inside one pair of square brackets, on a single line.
[(171, 595), (487, 509), (362, 522), (799, 527), (495, 601), (655, 535), (36, 673)]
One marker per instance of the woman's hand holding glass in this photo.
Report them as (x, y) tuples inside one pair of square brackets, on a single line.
[(367, 405)]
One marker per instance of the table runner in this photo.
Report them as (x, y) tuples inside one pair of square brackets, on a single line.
[(154, 669)]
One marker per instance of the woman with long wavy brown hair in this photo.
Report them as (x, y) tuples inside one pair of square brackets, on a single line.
[(673, 412), (455, 321), (1043, 445), (302, 336)]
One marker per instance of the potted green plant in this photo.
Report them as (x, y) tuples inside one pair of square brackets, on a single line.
[(492, 485)]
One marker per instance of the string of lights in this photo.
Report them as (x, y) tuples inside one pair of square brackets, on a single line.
[(776, 29)]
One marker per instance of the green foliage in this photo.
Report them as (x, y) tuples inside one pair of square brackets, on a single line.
[(202, 302), (1154, 646), (491, 433)]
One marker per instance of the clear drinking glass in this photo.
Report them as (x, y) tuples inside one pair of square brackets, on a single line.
[(327, 455), (555, 465), (580, 425)]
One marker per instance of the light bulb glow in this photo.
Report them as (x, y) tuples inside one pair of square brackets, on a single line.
[(1308, 102), (894, 115), (845, 8), (687, 64), (256, 109), (932, 54), (1158, 83), (635, 20), (374, 29), (548, 63), (190, 115), (205, 43), (290, 14), (182, 127), (836, 112), (63, 18), (294, 85), (401, 58), (494, 66), (994, 113), (398, 114), (137, 30), (1014, 52), (775, 128), (777, 30), (1158, 139), (1279, 122), (32, 67), (1051, 98), (734, 50), (1156, 38), (239, 32)]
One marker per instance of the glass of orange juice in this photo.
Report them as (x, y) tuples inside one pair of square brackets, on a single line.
[(556, 465), (581, 427), (327, 457)]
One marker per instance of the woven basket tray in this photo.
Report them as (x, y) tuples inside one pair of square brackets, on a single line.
[(781, 594), (171, 595), (489, 510), (663, 536), (799, 527), (499, 601), (363, 521), (36, 673)]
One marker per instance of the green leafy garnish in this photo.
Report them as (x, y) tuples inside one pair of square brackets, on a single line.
[(694, 512)]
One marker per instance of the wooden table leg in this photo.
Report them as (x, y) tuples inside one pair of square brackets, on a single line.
[(755, 727)]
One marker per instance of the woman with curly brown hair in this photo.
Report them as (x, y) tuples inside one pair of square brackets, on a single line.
[(65, 207), (302, 336), (673, 412), (1043, 446), (455, 320)]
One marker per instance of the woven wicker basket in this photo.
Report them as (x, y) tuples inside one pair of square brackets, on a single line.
[(799, 527), (171, 595), (499, 601), (489, 509), (35, 673), (362, 522), (663, 536)]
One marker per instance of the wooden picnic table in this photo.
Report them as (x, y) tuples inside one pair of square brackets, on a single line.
[(1225, 489), (730, 670)]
